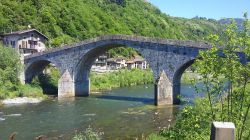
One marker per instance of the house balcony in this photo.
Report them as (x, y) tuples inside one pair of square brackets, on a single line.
[(31, 47)]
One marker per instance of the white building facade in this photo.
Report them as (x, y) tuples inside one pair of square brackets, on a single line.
[(26, 41)]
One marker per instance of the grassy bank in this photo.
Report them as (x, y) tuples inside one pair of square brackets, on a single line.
[(121, 78), (21, 91), (10, 68)]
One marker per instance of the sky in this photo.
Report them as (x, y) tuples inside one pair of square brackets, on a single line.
[(215, 9)]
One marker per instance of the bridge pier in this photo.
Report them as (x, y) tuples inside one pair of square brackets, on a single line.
[(176, 93), (164, 90), (82, 88), (66, 86)]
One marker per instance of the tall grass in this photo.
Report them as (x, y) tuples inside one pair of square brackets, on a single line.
[(121, 78)]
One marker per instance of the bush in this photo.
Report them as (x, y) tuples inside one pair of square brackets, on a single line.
[(88, 134), (231, 102), (121, 78), (10, 68)]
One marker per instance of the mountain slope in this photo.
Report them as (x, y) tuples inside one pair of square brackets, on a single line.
[(65, 22)]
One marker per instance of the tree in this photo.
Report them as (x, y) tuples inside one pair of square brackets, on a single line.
[(226, 88), (230, 100), (10, 65)]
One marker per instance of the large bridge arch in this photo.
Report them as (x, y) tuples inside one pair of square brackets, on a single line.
[(83, 67)]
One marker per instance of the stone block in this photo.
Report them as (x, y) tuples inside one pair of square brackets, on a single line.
[(164, 90), (222, 131)]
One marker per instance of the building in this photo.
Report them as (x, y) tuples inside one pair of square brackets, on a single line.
[(130, 64), (104, 64), (26, 41), (116, 63), (140, 63), (100, 64), (137, 63)]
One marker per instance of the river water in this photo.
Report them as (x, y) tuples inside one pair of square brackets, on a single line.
[(125, 113)]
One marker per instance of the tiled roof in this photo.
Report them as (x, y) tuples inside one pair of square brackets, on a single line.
[(139, 59), (24, 31), (110, 60), (130, 62)]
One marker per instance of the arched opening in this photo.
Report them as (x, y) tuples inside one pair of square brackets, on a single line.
[(182, 86), (43, 74), (104, 68)]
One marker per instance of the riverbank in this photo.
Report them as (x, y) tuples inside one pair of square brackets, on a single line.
[(126, 78), (47, 84), (22, 95), (21, 100), (121, 78)]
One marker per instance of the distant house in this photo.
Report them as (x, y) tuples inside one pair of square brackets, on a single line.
[(130, 64), (137, 63), (104, 64), (25, 41), (140, 63), (100, 63), (116, 63)]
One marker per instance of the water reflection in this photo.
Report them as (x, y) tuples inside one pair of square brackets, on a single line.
[(124, 98)]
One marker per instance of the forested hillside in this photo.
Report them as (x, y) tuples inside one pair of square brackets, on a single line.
[(66, 22)]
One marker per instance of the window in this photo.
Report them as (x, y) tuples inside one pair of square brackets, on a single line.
[(31, 42), (23, 44), (13, 43)]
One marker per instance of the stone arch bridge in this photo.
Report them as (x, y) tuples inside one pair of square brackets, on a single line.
[(167, 58)]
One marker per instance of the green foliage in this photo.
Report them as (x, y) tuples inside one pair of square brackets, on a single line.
[(65, 22), (189, 77), (122, 51), (88, 134), (223, 101), (155, 137), (30, 91), (10, 68), (192, 123), (10, 65), (105, 81), (121, 78), (48, 81), (68, 22)]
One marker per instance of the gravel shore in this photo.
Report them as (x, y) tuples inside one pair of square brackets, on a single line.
[(21, 100)]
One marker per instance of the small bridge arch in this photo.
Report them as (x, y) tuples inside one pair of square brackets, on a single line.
[(36, 67)]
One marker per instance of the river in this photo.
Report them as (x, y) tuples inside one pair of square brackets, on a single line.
[(125, 113)]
